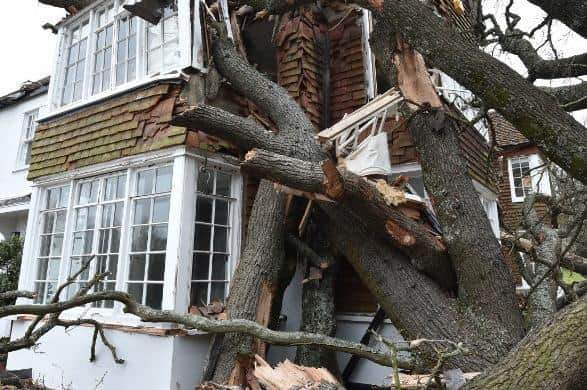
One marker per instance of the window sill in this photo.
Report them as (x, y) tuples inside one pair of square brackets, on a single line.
[(174, 75)]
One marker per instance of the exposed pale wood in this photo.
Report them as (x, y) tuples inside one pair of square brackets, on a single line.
[(287, 375)]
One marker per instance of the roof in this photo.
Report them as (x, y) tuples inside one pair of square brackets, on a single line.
[(27, 90), (506, 135)]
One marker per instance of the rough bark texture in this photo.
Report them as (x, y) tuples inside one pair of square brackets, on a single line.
[(542, 300), (485, 283), (318, 312), (255, 278), (412, 301), (427, 252), (552, 357), (571, 97)]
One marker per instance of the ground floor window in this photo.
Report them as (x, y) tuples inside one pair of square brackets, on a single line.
[(120, 223)]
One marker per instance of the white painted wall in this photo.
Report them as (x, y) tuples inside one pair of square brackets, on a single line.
[(13, 182), (151, 362)]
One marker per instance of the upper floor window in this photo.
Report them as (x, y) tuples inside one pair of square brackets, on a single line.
[(105, 47), (527, 174), (29, 124)]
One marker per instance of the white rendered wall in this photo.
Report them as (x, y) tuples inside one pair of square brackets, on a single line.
[(151, 362), (13, 182)]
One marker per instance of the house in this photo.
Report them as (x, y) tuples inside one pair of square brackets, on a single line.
[(19, 111), (163, 208)]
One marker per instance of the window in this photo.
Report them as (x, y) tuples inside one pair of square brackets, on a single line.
[(149, 235), (210, 267), (121, 220), (28, 131), (73, 82), (163, 42), (98, 210), (48, 262), (521, 181), (102, 57), (116, 48)]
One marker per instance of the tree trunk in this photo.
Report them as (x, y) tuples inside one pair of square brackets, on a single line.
[(552, 357), (542, 299), (255, 283), (318, 312)]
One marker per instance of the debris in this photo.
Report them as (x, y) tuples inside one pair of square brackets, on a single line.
[(287, 375), (392, 195)]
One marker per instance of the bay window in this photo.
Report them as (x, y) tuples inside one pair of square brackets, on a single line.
[(105, 48), (119, 222)]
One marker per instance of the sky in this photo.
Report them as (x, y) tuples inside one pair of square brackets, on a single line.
[(27, 50)]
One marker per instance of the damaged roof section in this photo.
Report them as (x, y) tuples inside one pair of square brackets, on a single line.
[(28, 89)]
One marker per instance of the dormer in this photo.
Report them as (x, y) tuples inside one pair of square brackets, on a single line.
[(110, 46)]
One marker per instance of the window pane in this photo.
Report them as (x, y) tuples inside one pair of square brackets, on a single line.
[(202, 238), (145, 182), (136, 291), (161, 209), (220, 239), (113, 266), (48, 222), (170, 54), (222, 184), (154, 295), (200, 266), (53, 198), (121, 186), (156, 267), (40, 292), (204, 209), (217, 291), (42, 265), (164, 179), (142, 211), (103, 241), (159, 237), (56, 245), (153, 36), (221, 214), (219, 267), (199, 294), (137, 267), (205, 181), (154, 61), (139, 238), (53, 269), (115, 241), (120, 74), (60, 221), (45, 245)]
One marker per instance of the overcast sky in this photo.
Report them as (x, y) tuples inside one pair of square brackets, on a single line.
[(27, 50)]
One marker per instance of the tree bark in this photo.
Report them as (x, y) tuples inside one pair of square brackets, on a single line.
[(318, 312), (355, 193), (542, 299), (552, 357), (255, 282)]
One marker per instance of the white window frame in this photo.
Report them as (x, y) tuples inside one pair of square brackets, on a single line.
[(177, 276), (540, 179), (29, 124), (188, 42), (488, 200)]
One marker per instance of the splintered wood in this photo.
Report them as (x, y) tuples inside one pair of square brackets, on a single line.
[(392, 195), (287, 375)]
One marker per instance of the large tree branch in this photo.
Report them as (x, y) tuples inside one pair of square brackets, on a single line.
[(532, 111), (573, 13), (570, 97), (538, 67), (147, 314), (365, 200)]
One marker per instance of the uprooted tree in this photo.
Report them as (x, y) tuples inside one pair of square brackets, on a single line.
[(454, 288)]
